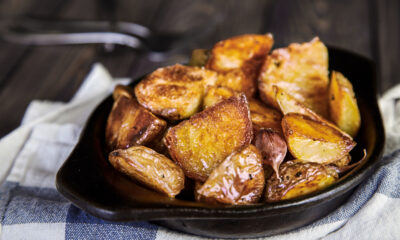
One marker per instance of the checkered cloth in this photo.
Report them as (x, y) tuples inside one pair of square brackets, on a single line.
[(31, 207)]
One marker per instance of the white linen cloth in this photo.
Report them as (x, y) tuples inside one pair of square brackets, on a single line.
[(31, 208)]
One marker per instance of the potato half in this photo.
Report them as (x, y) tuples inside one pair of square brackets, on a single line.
[(199, 144), (298, 179), (174, 92), (343, 106), (314, 141), (239, 59), (239, 179), (302, 71), (150, 168), (130, 124)]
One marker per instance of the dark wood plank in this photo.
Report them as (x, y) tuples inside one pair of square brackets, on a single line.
[(341, 23), (55, 73), (388, 39)]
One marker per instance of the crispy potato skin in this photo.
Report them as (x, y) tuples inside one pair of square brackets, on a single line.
[(216, 94), (199, 144), (239, 60), (301, 70), (174, 92), (288, 104), (343, 106), (264, 117), (314, 141), (150, 168), (237, 80), (239, 51), (298, 179), (130, 124), (239, 179)]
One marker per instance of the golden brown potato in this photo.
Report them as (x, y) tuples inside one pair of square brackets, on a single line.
[(272, 146), (288, 104), (174, 92), (130, 124), (302, 71), (245, 51), (238, 60), (238, 81), (150, 168), (199, 144), (298, 179), (314, 141), (264, 117), (239, 179), (343, 107), (121, 90), (215, 95), (199, 57)]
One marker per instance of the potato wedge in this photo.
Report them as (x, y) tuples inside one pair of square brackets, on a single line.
[(343, 107), (199, 57), (264, 117), (174, 92), (130, 124), (150, 168), (238, 60), (215, 95), (302, 71), (298, 179), (201, 143), (245, 51), (314, 141), (239, 179), (288, 103)]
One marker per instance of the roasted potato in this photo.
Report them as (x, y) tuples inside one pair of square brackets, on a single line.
[(150, 168), (174, 92), (298, 179), (239, 179), (288, 104), (343, 107), (314, 141), (130, 124), (302, 71), (238, 81), (238, 60), (246, 51), (199, 57), (264, 117), (215, 95), (199, 144), (272, 146)]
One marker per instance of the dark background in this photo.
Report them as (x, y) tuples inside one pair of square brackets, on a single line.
[(370, 28)]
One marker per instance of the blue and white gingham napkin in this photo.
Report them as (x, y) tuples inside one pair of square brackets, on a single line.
[(31, 207)]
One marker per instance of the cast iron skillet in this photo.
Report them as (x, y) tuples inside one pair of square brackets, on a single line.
[(89, 181)]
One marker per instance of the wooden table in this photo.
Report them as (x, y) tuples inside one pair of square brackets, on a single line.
[(54, 73)]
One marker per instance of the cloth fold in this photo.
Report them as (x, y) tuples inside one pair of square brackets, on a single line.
[(31, 207)]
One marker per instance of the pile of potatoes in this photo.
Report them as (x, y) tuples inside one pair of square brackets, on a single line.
[(244, 124)]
